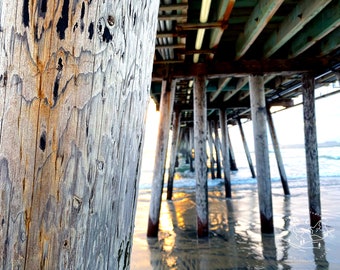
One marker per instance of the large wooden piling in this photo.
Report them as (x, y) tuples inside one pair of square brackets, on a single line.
[(174, 143), (258, 113), (225, 153), (200, 128), (246, 148), (166, 104), (311, 148), (277, 152), (74, 95)]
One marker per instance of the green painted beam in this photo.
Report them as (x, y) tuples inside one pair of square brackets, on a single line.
[(221, 84), (319, 27), (330, 42), (259, 18), (239, 85), (294, 22)]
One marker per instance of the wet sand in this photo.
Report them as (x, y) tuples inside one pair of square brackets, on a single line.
[(235, 241)]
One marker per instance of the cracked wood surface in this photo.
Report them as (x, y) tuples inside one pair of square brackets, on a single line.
[(74, 86)]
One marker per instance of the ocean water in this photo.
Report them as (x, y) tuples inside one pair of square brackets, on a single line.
[(235, 240)]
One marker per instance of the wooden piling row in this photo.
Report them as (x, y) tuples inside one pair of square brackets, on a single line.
[(196, 138)]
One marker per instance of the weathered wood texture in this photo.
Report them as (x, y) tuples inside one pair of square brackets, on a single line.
[(246, 148), (174, 145), (259, 115), (277, 152), (160, 159), (311, 148), (225, 153), (200, 138), (74, 85)]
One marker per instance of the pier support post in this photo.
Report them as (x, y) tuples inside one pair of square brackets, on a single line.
[(233, 165), (277, 151), (174, 143), (211, 148), (258, 113), (225, 153), (186, 145), (246, 149), (217, 144), (200, 131), (311, 148), (191, 147), (166, 104)]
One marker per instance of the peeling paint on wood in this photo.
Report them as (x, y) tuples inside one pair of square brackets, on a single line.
[(72, 113)]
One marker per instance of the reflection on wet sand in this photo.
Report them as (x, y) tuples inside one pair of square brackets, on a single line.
[(235, 240), (319, 250)]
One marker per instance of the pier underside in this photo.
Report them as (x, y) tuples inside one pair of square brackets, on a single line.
[(244, 57)]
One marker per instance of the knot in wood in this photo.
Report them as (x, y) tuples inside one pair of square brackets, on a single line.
[(76, 203), (100, 165), (111, 20)]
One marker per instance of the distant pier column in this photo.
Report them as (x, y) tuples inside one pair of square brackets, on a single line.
[(311, 148), (191, 147), (166, 104), (277, 151), (174, 143), (200, 131), (225, 152), (258, 112), (217, 150), (211, 148), (246, 149), (186, 146), (233, 166)]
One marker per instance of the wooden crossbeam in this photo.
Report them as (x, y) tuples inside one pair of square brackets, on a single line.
[(224, 12), (195, 26), (190, 52), (259, 18), (172, 17), (294, 22), (170, 46), (243, 68), (179, 6)]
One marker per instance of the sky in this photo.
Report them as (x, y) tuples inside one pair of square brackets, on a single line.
[(288, 124)]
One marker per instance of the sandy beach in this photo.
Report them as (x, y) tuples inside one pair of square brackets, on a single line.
[(235, 241)]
